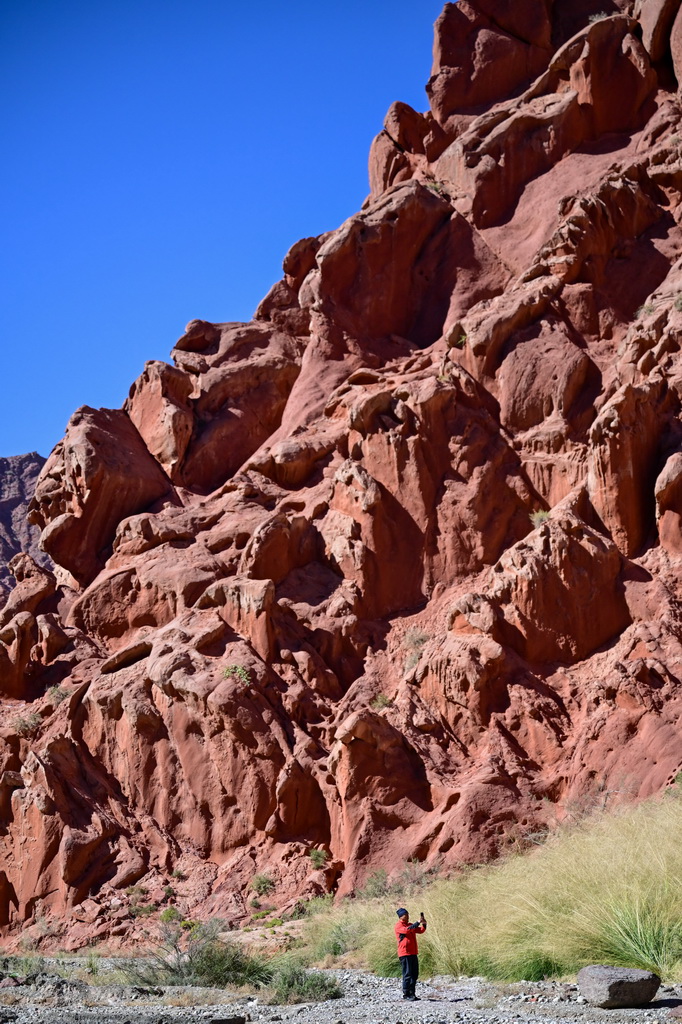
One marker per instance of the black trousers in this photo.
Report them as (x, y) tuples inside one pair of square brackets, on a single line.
[(410, 966)]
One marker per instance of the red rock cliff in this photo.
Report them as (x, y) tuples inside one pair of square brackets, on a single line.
[(393, 569)]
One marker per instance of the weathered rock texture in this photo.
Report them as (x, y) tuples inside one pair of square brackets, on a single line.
[(392, 570), (18, 475), (616, 987)]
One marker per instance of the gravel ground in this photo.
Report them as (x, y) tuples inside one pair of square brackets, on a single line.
[(54, 1000)]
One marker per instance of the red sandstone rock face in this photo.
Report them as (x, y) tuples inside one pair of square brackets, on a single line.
[(392, 570)]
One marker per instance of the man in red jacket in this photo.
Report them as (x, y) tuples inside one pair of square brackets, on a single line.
[(406, 934)]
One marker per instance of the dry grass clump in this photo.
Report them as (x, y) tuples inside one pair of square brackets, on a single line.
[(606, 890)]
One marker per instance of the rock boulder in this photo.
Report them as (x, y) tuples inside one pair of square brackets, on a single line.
[(617, 987)]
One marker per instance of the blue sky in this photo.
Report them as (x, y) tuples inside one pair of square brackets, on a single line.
[(160, 158)]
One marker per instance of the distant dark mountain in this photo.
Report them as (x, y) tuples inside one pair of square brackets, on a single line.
[(18, 475)]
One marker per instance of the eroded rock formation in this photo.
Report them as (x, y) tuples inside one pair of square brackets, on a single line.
[(18, 475), (392, 570)]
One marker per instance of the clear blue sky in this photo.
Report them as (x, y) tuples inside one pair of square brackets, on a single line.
[(160, 157)]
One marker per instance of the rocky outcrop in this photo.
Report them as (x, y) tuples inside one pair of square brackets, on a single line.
[(391, 571), (18, 475)]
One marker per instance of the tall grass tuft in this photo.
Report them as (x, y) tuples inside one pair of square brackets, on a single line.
[(606, 890)]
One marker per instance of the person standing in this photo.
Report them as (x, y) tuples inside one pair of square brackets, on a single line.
[(408, 952)]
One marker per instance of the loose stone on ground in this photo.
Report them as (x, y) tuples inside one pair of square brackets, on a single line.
[(366, 999)]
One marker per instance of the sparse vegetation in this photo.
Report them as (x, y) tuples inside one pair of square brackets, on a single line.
[(198, 958), (26, 725), (646, 310), (92, 964), (678, 303), (169, 915), (238, 673), (599, 16), (57, 694), (460, 341), (380, 702), (27, 967), (262, 884), (203, 958), (538, 517), (376, 884), (607, 889), (293, 984), (413, 642), (180, 875), (143, 909), (318, 857)]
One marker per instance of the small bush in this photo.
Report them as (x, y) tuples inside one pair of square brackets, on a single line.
[(239, 673), (318, 858), (299, 911), (57, 694), (599, 16), (169, 915), (335, 936), (413, 642), (139, 910), (460, 341), (260, 915), (380, 702), (262, 884), (198, 958), (26, 725), (220, 963), (180, 875), (376, 884), (646, 310), (538, 517), (678, 303), (29, 966), (294, 984)]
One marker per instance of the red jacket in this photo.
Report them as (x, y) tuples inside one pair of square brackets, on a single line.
[(406, 934)]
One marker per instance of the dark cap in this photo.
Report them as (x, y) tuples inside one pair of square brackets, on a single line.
[(401, 911)]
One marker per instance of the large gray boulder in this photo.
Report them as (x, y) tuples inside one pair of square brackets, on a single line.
[(614, 987)]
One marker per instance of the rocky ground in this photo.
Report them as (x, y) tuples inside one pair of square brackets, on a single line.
[(52, 998)]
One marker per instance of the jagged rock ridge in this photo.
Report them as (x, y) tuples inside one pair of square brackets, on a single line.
[(392, 570), (18, 475)]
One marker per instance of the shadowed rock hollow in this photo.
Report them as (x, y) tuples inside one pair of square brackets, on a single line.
[(393, 569)]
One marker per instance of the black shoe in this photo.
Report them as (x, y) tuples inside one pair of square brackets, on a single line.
[(415, 999)]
